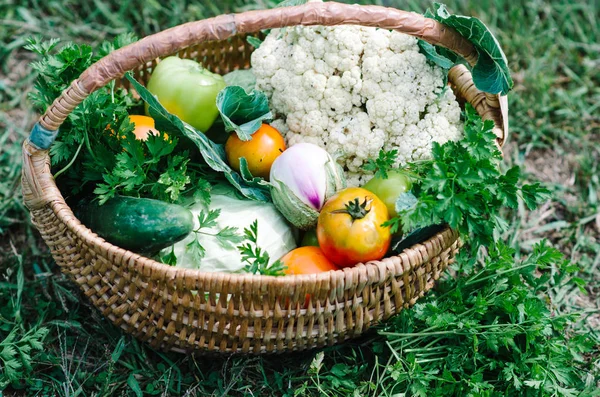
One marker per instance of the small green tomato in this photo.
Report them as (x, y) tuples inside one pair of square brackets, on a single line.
[(388, 190)]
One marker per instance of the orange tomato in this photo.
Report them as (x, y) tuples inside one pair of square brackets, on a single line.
[(260, 152), (349, 228), (307, 260), (144, 126)]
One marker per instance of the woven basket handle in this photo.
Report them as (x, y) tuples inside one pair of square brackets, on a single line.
[(172, 40)]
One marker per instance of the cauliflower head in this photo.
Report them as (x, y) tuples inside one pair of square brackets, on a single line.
[(355, 90)]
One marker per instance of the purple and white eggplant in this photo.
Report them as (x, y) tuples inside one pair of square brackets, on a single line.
[(302, 178)]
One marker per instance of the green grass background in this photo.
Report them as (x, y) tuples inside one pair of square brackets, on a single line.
[(553, 48)]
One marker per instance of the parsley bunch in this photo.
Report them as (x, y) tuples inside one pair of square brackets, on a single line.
[(96, 150), (495, 331), (462, 185)]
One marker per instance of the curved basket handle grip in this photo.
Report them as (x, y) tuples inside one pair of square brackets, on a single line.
[(175, 39)]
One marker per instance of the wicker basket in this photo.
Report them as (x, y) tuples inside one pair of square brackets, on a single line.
[(188, 310)]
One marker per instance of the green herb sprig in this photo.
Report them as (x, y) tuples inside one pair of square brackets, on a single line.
[(256, 258), (382, 164), (463, 186), (227, 237)]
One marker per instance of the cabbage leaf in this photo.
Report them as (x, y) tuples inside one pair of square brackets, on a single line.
[(243, 112)]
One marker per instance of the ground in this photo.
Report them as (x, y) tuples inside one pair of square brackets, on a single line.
[(554, 53)]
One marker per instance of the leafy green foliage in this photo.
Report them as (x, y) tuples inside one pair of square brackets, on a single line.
[(491, 73), (243, 112), (491, 331), (436, 57), (254, 41), (15, 353), (256, 258), (463, 186), (382, 164), (96, 149), (227, 237), (212, 153), (56, 69), (146, 169), (439, 56)]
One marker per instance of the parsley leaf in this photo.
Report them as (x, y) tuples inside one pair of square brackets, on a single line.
[(383, 164), (228, 237), (208, 220), (170, 258), (256, 258)]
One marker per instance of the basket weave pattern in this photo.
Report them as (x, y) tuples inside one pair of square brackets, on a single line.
[(189, 310)]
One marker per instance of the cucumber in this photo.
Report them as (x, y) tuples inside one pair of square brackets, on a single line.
[(138, 224)]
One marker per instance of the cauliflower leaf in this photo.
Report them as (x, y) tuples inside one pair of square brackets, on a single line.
[(491, 73)]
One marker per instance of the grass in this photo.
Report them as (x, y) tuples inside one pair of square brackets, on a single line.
[(553, 52)]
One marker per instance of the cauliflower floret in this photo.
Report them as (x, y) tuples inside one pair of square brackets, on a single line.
[(354, 91)]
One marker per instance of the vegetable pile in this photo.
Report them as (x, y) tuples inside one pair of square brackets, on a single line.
[(248, 172)]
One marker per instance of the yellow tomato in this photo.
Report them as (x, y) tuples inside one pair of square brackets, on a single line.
[(350, 228), (144, 126), (260, 152)]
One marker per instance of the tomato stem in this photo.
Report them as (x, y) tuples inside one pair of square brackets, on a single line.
[(355, 208)]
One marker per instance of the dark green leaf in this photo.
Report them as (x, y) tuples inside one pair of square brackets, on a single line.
[(432, 55), (254, 41), (256, 258), (534, 194), (134, 385), (116, 354), (202, 190), (491, 73), (170, 258), (196, 250)]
